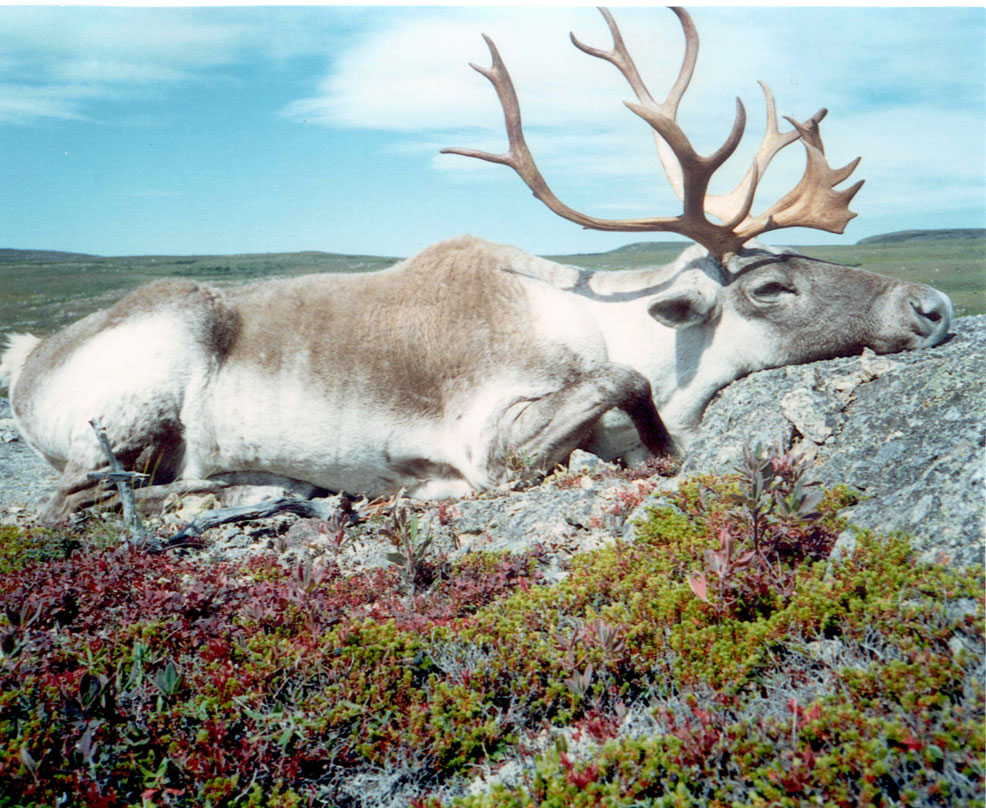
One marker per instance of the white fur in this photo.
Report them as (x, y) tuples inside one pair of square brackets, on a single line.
[(19, 347), (122, 377)]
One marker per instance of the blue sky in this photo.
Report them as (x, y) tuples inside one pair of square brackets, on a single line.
[(258, 129)]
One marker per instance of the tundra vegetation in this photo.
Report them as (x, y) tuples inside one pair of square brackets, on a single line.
[(716, 658)]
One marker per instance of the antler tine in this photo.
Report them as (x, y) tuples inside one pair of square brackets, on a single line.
[(511, 111), (519, 158), (813, 202), (695, 170), (675, 150), (728, 206), (620, 57), (687, 63)]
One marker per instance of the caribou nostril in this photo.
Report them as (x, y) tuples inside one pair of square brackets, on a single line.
[(933, 313)]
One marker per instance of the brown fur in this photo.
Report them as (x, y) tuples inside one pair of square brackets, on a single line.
[(446, 318)]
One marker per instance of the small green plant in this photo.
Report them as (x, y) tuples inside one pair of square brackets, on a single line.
[(411, 549), (335, 527), (21, 547), (521, 466), (774, 494), (772, 525)]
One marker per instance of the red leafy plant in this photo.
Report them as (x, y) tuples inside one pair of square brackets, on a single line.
[(772, 527)]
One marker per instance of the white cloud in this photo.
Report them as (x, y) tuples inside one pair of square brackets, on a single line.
[(103, 71), (19, 102), (413, 75), (904, 86), (53, 62), (148, 36)]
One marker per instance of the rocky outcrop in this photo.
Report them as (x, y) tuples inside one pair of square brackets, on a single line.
[(907, 430)]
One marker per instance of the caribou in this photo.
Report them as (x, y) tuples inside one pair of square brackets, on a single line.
[(437, 374)]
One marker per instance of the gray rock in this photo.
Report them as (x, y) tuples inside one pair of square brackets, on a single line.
[(581, 462), (25, 479), (547, 514), (8, 432), (907, 430)]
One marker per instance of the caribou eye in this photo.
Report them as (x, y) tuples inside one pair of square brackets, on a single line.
[(771, 290)]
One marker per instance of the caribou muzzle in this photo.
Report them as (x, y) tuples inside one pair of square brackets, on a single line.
[(931, 311), (923, 315)]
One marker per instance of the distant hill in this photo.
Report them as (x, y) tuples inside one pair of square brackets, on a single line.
[(317, 257), (648, 247), (900, 236), (9, 256), (660, 249)]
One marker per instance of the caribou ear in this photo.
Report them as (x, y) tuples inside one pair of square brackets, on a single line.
[(683, 307)]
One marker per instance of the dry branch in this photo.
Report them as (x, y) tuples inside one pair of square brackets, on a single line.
[(124, 480), (309, 508)]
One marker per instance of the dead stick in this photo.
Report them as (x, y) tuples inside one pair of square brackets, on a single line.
[(221, 516), (123, 480)]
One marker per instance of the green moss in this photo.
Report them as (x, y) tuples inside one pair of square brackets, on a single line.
[(882, 733), (20, 548)]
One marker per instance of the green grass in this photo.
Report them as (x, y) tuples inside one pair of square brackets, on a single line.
[(43, 291)]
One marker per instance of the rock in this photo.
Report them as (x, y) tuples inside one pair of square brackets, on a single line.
[(807, 411), (182, 509), (907, 430), (25, 479), (566, 514), (581, 462), (8, 431), (568, 518)]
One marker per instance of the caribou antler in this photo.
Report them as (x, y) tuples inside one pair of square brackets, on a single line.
[(814, 202)]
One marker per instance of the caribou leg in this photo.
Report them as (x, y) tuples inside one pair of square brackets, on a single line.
[(75, 491), (545, 431)]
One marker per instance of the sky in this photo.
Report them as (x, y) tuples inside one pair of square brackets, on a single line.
[(136, 131)]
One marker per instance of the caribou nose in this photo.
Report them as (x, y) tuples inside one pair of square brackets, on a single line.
[(930, 315)]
